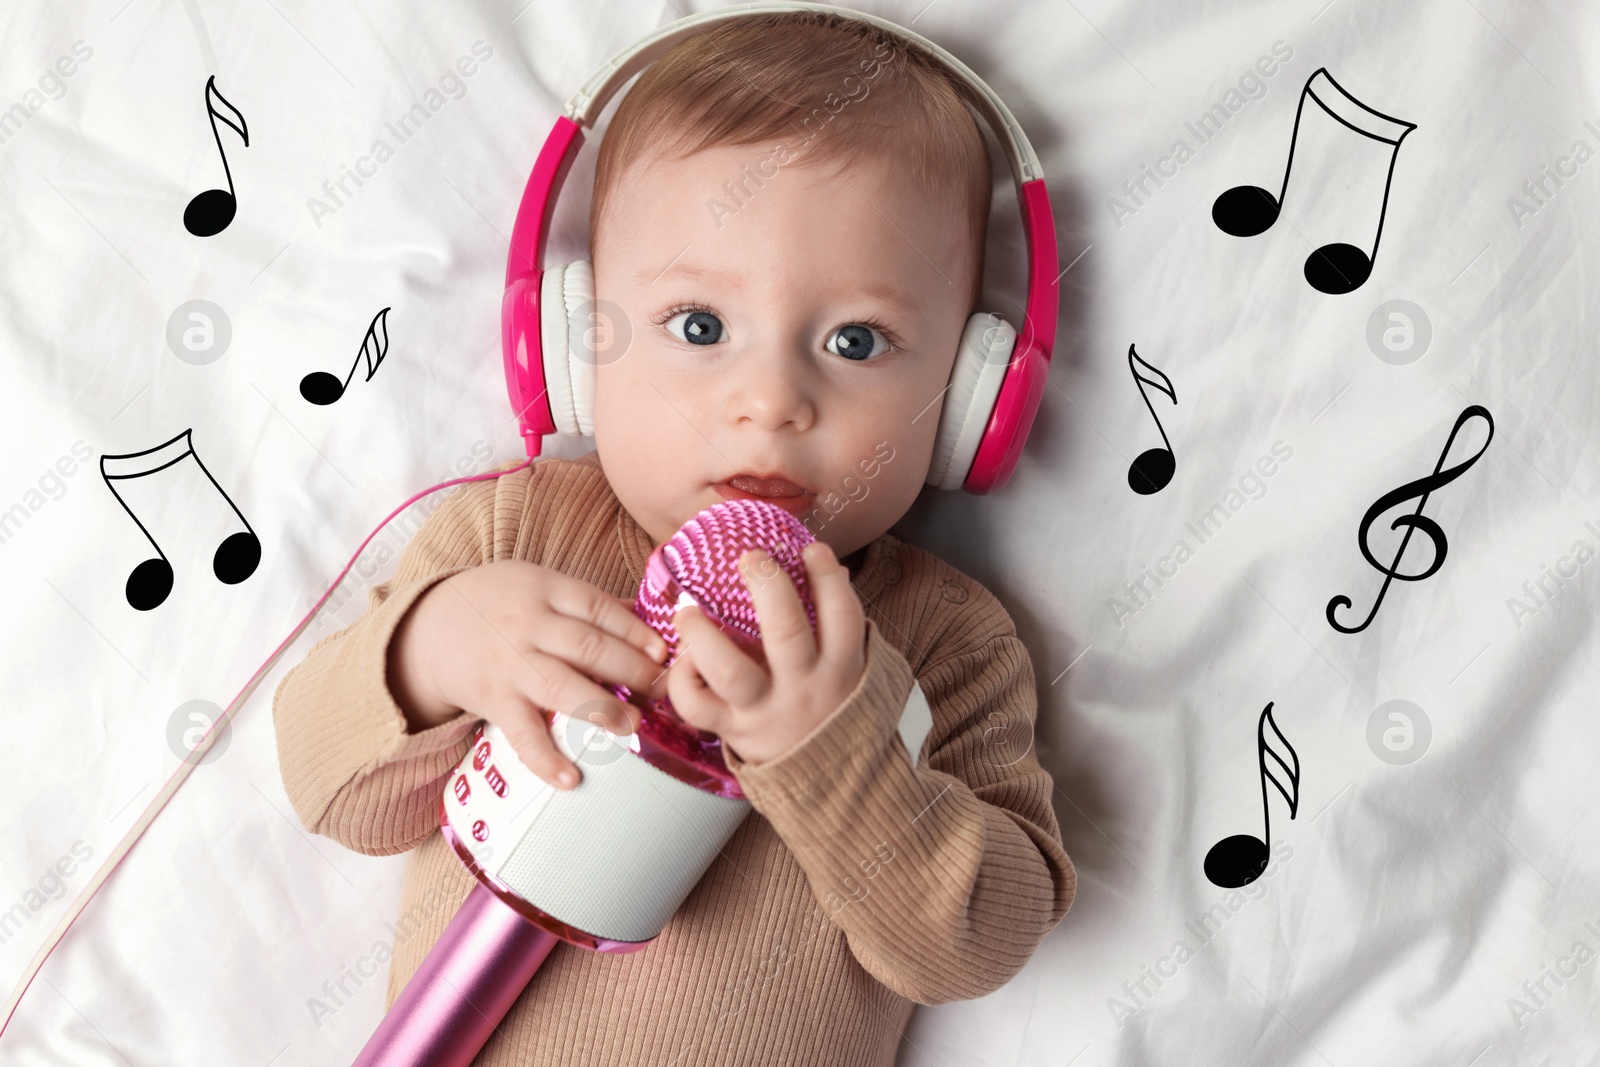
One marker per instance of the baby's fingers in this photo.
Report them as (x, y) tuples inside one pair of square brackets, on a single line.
[(550, 682), (598, 653), (589, 603), (525, 728), (841, 623), (695, 702), (786, 636), (712, 655)]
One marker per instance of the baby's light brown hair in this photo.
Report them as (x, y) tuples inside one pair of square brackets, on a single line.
[(829, 88)]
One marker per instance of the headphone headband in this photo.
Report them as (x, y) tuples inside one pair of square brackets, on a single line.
[(587, 103)]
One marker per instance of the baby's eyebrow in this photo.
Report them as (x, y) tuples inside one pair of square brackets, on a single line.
[(688, 270), (884, 291), (893, 294)]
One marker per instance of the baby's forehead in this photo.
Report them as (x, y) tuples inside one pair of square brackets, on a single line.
[(719, 181), (734, 223)]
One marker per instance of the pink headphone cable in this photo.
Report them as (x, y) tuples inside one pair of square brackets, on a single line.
[(192, 760)]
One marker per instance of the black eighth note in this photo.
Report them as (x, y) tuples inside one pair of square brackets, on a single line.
[(151, 581), (1241, 859), (322, 388), (209, 213), (1151, 469), (1248, 210), (1421, 488)]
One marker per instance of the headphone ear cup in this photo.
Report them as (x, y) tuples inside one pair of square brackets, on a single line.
[(577, 289), (553, 346), (566, 298), (980, 367)]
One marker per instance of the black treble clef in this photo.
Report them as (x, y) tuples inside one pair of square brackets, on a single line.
[(1440, 477)]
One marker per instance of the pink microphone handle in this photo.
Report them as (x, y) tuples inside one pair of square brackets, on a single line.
[(466, 985)]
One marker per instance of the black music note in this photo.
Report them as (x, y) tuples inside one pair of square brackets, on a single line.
[(1241, 859), (1415, 521), (235, 558), (209, 213), (320, 387), (1247, 210), (1151, 469)]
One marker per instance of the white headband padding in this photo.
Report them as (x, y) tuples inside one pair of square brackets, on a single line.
[(975, 379)]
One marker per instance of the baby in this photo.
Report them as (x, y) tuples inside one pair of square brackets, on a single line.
[(788, 226)]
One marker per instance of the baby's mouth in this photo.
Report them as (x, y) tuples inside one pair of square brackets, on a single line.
[(773, 488)]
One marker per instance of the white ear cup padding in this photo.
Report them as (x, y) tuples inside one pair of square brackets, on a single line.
[(980, 367), (578, 291), (553, 347)]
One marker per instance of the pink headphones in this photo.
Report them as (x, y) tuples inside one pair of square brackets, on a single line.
[(995, 384)]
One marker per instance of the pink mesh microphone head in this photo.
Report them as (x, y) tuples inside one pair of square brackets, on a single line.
[(699, 565)]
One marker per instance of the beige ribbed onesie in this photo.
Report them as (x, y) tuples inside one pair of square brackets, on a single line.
[(859, 884)]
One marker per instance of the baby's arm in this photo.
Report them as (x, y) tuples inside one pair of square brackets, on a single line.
[(945, 877), (351, 769), (370, 725)]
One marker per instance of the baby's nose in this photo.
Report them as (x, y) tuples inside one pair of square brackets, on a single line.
[(774, 395)]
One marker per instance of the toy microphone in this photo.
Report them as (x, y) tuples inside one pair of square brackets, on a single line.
[(603, 865)]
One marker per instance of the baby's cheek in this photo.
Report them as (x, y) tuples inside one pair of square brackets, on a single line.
[(622, 418)]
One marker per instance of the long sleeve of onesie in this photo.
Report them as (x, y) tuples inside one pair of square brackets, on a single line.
[(351, 769), (945, 876)]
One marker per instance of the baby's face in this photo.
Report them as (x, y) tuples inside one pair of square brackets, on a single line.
[(808, 339)]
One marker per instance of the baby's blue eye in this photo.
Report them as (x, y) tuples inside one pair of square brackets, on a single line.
[(697, 327), (856, 342)]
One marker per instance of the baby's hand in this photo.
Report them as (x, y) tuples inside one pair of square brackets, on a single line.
[(507, 639), (763, 712)]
